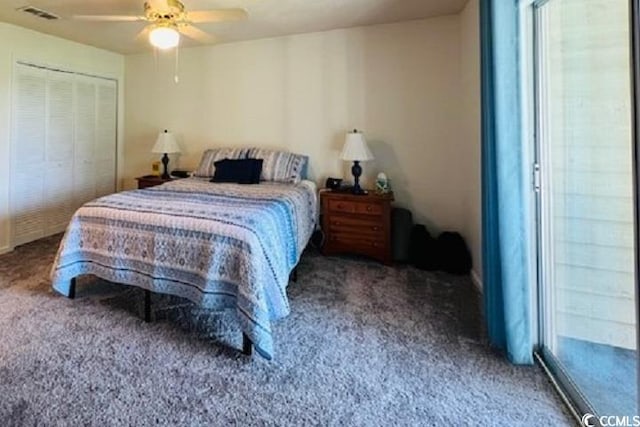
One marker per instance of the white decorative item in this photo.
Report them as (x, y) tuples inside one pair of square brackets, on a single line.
[(382, 183)]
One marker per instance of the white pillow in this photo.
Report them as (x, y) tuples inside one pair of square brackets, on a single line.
[(281, 166), (207, 167)]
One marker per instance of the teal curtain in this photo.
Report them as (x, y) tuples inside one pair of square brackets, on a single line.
[(506, 281)]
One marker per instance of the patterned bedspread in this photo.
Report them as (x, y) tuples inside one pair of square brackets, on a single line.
[(219, 245)]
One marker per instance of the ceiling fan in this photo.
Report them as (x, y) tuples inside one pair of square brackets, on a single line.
[(168, 19)]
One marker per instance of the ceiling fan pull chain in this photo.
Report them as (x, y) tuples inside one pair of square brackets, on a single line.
[(155, 57), (175, 76)]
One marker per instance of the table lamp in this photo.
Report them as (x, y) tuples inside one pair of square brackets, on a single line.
[(166, 144), (355, 149)]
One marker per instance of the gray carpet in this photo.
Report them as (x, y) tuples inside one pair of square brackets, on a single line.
[(365, 345)]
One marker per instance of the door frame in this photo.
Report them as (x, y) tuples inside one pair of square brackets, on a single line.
[(533, 33), (634, 13)]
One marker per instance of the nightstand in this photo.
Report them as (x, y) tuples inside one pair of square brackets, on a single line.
[(357, 224), (151, 181)]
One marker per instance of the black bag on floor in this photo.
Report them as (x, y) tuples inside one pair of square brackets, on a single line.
[(453, 253), (401, 226), (422, 249)]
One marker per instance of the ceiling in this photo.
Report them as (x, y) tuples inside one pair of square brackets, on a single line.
[(267, 18)]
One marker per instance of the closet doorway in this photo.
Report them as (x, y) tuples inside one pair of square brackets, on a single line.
[(63, 147)]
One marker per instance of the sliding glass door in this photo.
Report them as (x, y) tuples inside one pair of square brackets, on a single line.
[(584, 122)]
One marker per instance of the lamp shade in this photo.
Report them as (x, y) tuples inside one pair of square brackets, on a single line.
[(166, 143), (355, 148), (164, 37)]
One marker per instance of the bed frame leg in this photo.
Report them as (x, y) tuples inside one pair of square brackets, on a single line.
[(247, 345), (147, 305), (72, 289), (294, 274)]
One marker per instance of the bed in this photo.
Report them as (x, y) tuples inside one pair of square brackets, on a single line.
[(219, 245)]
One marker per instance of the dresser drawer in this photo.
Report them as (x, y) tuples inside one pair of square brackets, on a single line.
[(355, 241), (348, 206), (346, 224)]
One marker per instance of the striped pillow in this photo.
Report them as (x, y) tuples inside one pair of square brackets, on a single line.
[(207, 166), (280, 166)]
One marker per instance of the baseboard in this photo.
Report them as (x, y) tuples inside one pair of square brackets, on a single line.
[(476, 281)]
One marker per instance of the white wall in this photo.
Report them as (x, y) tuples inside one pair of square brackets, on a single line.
[(471, 134), (399, 83), (22, 44)]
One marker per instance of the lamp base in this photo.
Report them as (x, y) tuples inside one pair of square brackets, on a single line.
[(165, 162), (359, 191), (356, 170)]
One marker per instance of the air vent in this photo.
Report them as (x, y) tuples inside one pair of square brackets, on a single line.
[(38, 12)]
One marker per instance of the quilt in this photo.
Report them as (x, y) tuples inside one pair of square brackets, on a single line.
[(219, 245)]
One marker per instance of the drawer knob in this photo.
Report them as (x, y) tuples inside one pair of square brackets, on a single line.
[(374, 228), (340, 206), (336, 222), (369, 208)]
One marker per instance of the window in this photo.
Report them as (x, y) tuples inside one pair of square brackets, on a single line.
[(584, 149)]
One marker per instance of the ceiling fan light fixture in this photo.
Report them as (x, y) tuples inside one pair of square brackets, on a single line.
[(164, 37)]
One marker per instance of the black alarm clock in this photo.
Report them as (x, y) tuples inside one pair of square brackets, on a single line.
[(333, 183)]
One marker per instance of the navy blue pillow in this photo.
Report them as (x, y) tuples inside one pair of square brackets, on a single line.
[(256, 172), (240, 171)]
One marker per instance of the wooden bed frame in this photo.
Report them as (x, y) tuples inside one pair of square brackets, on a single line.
[(247, 345)]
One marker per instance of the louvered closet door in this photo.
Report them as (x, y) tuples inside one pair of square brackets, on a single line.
[(105, 147), (58, 186), (28, 159), (85, 136), (63, 148)]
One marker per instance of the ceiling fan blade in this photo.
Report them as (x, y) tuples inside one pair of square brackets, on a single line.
[(196, 34), (216, 15), (143, 35), (109, 18), (157, 4)]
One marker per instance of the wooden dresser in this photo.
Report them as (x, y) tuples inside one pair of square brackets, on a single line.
[(357, 224), (151, 181)]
